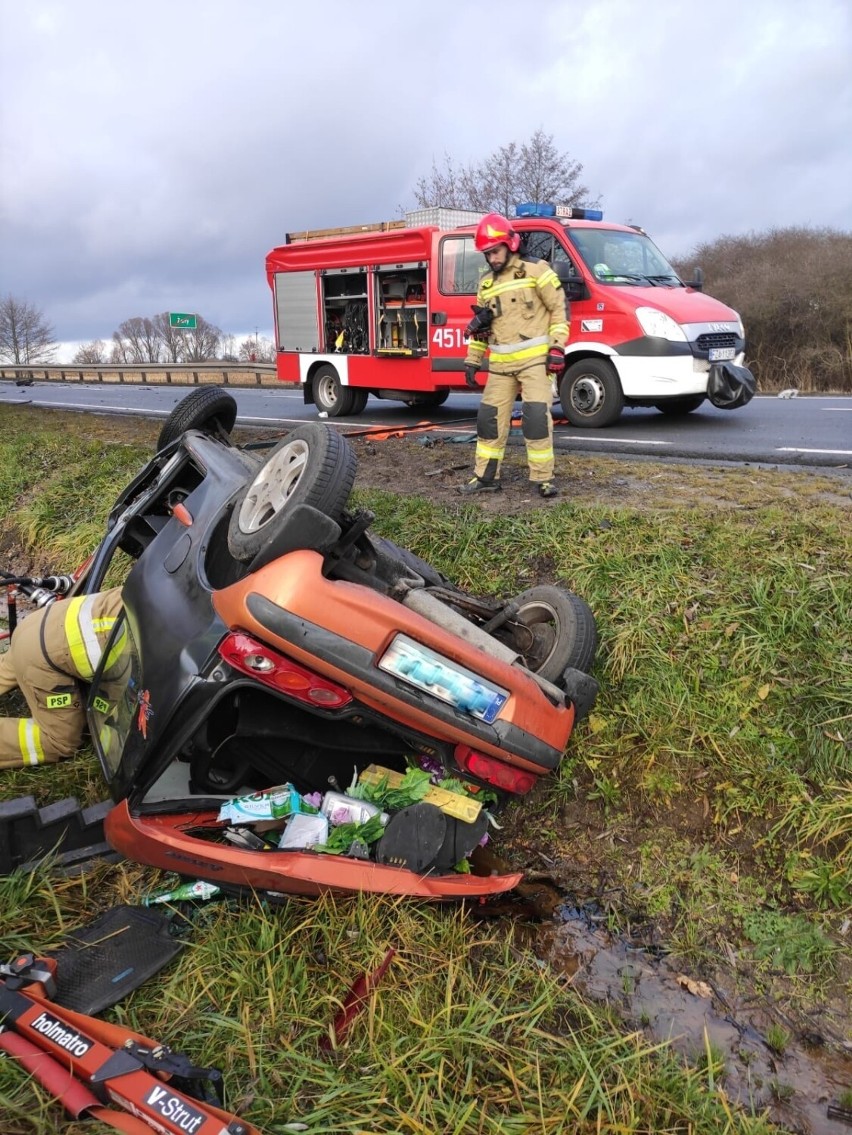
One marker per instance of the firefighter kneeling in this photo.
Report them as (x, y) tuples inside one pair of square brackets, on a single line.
[(526, 344), (50, 650)]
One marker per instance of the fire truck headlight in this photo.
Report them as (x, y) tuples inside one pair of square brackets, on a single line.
[(662, 326)]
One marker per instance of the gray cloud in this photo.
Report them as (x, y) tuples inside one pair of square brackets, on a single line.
[(152, 154)]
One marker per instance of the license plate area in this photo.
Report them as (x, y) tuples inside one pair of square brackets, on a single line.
[(721, 354), (446, 680)]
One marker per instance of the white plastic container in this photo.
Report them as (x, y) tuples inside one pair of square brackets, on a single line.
[(303, 831), (342, 809)]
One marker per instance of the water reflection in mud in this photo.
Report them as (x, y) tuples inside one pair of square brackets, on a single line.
[(800, 1089)]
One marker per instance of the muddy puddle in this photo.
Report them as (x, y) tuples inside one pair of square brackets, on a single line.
[(800, 1088)]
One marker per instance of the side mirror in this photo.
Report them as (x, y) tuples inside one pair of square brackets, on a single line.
[(574, 285), (697, 280)]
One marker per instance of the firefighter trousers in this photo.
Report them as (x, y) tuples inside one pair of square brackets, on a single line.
[(56, 726), (494, 420)]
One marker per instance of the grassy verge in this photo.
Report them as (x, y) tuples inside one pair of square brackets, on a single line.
[(709, 794)]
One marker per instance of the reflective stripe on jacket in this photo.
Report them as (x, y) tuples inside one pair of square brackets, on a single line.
[(530, 317), (76, 631)]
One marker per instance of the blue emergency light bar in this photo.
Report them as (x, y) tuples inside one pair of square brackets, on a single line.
[(566, 212)]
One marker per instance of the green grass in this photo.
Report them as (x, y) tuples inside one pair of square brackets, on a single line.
[(461, 1035), (716, 763)]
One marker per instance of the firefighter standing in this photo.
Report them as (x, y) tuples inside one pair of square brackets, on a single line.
[(52, 649), (526, 342)]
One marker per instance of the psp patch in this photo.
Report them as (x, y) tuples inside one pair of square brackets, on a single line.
[(59, 700), (175, 1110)]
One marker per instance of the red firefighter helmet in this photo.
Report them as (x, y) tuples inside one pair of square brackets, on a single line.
[(494, 230)]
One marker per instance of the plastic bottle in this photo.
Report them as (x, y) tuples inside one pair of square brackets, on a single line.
[(196, 890)]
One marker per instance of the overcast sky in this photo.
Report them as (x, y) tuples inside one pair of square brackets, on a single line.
[(152, 153)]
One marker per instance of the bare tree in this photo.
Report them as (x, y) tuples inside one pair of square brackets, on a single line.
[(201, 342), (533, 171), (173, 339), (141, 338), (120, 351), (449, 187), (91, 353), (228, 349), (25, 334), (498, 181), (256, 349), (547, 175)]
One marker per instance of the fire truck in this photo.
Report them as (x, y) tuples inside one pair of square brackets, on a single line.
[(382, 309)]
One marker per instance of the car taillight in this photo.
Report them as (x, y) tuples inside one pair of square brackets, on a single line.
[(494, 772), (259, 661)]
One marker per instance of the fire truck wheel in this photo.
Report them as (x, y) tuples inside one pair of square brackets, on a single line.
[(330, 395), (552, 630), (312, 465), (359, 400), (674, 407), (591, 394), (209, 409)]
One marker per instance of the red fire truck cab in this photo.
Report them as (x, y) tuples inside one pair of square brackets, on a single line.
[(381, 310)]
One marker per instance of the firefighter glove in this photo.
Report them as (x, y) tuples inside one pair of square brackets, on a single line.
[(555, 360), (481, 322), (470, 376)]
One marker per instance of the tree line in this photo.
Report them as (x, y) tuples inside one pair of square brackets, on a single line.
[(27, 338), (792, 286)]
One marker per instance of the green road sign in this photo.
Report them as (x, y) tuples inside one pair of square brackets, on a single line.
[(180, 319)]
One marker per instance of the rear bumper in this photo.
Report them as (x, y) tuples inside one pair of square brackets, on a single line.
[(166, 842)]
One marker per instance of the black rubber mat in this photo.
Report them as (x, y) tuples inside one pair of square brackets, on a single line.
[(459, 841), (413, 837), (111, 957)]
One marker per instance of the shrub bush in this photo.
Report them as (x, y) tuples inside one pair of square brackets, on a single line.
[(793, 289)]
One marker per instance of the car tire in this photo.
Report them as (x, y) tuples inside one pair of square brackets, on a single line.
[(312, 465), (209, 409), (552, 630), (591, 394), (676, 407), (429, 401)]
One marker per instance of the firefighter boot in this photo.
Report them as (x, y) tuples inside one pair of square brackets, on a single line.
[(479, 485)]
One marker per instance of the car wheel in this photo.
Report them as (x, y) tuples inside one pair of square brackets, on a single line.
[(209, 409), (552, 630), (591, 394), (312, 465), (330, 395), (674, 407), (429, 401)]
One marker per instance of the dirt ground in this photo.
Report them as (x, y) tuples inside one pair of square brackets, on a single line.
[(435, 469)]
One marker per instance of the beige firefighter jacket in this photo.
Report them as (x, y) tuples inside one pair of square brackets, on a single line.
[(50, 649), (530, 316)]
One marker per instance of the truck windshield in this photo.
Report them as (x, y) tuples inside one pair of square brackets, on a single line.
[(615, 257)]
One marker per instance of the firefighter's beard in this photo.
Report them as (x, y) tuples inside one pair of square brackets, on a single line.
[(499, 265)]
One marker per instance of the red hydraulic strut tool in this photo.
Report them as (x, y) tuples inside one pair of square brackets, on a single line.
[(89, 1064)]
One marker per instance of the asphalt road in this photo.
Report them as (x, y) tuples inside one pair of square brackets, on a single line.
[(804, 431)]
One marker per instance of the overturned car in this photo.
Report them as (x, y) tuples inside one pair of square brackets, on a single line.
[(272, 646)]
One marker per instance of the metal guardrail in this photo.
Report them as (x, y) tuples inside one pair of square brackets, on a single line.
[(155, 374)]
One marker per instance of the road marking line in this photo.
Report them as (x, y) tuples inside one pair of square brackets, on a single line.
[(796, 449), (616, 440)]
